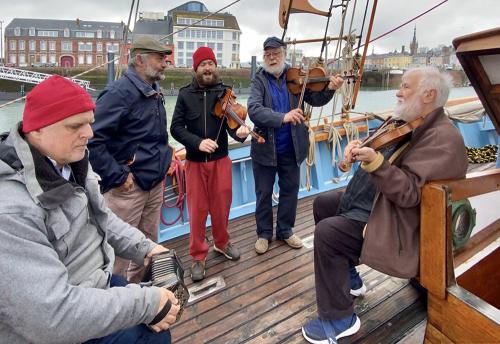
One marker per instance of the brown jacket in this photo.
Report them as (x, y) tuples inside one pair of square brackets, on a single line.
[(435, 151)]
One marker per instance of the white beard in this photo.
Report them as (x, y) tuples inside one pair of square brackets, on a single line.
[(274, 70), (155, 75), (409, 110)]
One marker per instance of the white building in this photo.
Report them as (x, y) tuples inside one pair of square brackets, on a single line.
[(220, 32)]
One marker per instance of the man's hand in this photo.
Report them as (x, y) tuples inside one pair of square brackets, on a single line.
[(294, 116), (365, 154), (242, 132), (170, 318), (335, 82), (128, 185), (156, 250), (348, 150), (208, 146)]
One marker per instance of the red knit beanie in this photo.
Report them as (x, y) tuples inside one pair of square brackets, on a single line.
[(52, 100), (201, 54)]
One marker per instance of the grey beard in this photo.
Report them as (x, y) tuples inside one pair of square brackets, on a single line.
[(276, 70), (153, 74)]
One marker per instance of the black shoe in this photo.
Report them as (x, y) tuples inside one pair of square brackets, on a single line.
[(231, 252), (198, 270)]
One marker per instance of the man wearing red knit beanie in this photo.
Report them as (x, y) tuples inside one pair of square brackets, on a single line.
[(208, 167), (58, 240)]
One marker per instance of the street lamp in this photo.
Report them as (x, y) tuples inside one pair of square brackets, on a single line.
[(1, 40)]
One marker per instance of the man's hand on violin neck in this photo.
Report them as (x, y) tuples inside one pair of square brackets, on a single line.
[(242, 132), (208, 146), (335, 82), (364, 154), (294, 116)]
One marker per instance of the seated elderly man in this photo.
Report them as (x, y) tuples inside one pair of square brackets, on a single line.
[(58, 240), (377, 220)]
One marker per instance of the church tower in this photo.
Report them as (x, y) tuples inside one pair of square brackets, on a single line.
[(414, 43)]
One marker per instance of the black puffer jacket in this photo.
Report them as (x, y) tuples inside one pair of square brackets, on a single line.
[(194, 120)]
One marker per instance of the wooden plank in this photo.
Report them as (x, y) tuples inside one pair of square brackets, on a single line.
[(434, 336), (433, 239), (459, 322), (476, 183), (415, 335)]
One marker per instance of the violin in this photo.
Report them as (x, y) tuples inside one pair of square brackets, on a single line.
[(235, 114), (388, 134), (315, 79)]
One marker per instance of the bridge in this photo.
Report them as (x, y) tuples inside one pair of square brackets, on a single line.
[(30, 77)]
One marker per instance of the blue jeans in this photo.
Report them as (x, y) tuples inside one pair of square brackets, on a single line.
[(139, 334)]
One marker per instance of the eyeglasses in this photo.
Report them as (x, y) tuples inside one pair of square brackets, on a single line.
[(272, 54)]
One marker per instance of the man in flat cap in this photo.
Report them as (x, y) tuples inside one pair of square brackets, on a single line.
[(275, 113), (130, 148), (58, 240)]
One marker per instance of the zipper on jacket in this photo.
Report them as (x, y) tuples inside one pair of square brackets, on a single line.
[(205, 117)]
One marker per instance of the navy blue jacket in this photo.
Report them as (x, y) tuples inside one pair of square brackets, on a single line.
[(130, 134), (266, 120)]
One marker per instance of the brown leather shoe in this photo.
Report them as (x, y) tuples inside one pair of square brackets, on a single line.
[(261, 245), (294, 241)]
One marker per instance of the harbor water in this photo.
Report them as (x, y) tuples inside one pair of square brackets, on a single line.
[(369, 100)]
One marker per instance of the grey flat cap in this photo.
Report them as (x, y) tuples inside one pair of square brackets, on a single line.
[(146, 44), (273, 42)]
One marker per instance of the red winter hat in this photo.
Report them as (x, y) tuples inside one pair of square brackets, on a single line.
[(201, 54), (52, 100)]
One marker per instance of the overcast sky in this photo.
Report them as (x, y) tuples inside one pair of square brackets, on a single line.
[(259, 19)]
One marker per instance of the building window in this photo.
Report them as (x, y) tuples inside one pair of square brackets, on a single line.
[(220, 34), (84, 46), (22, 59), (99, 33), (66, 46), (180, 54), (112, 34), (12, 58), (32, 31), (219, 56), (200, 44), (32, 45), (52, 59), (189, 61), (235, 36), (13, 45), (211, 45), (112, 47), (22, 45), (235, 47), (43, 58), (99, 47), (17, 31), (52, 45), (219, 46), (182, 34), (66, 32), (84, 34), (190, 45), (89, 59), (180, 62), (180, 45), (43, 45), (48, 33), (81, 59)]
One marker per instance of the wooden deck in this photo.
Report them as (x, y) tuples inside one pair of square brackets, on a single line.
[(267, 298)]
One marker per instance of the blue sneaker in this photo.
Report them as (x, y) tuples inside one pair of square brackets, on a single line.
[(319, 331), (358, 288)]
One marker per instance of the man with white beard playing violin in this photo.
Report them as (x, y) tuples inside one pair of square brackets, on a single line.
[(208, 167), (376, 221), (278, 119)]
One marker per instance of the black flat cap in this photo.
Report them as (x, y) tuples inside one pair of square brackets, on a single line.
[(147, 44), (273, 42)]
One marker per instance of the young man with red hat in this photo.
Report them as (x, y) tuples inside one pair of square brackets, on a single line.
[(130, 149), (58, 240), (208, 167)]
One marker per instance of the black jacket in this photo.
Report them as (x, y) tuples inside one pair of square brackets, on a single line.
[(261, 113), (194, 120)]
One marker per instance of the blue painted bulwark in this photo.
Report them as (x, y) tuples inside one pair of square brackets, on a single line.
[(325, 176)]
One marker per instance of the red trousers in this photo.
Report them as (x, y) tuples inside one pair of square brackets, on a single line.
[(209, 191)]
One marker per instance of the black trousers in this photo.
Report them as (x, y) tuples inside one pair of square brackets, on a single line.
[(337, 247), (288, 181)]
